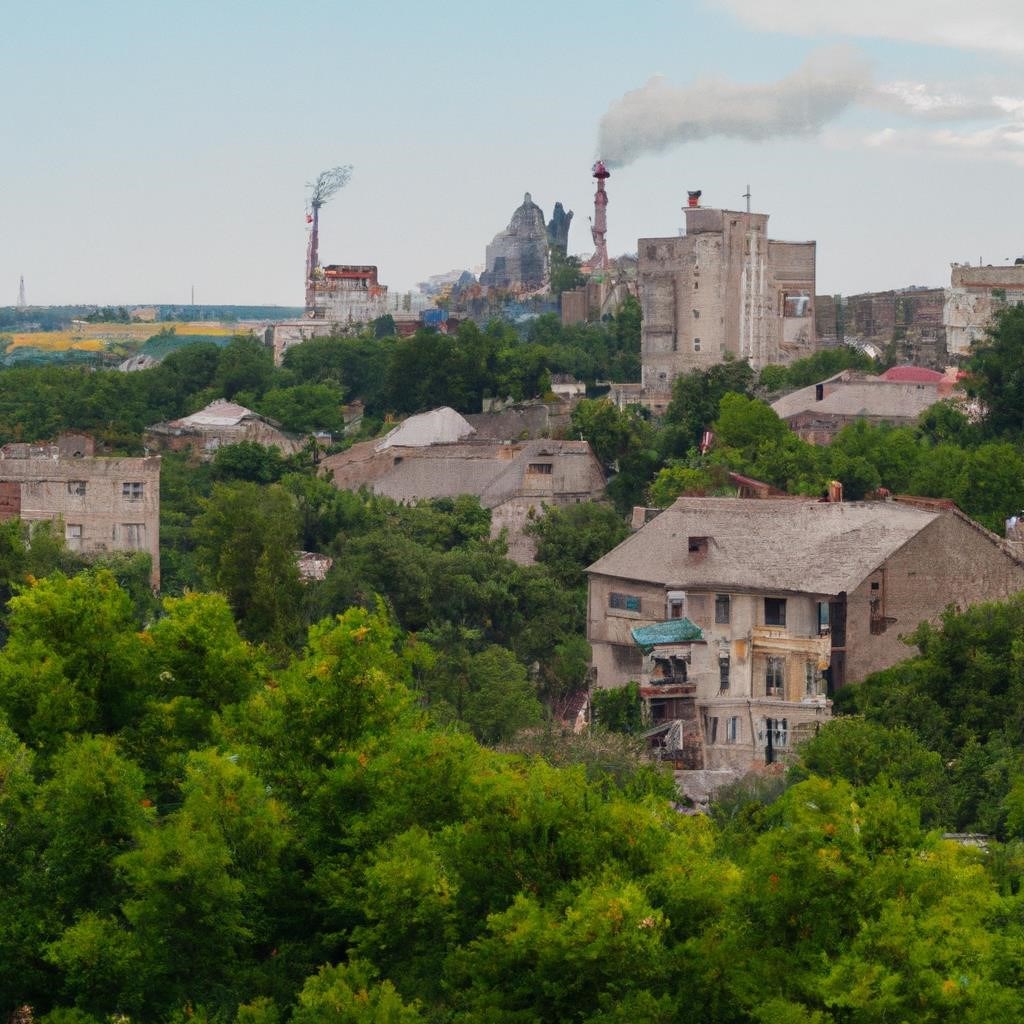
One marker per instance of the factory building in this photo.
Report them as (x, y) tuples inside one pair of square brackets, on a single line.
[(723, 289)]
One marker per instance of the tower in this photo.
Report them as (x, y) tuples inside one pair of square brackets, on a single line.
[(22, 304), (326, 184), (599, 227)]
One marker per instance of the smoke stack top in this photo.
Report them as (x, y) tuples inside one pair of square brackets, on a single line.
[(693, 199)]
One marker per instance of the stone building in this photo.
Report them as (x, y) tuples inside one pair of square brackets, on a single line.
[(974, 297), (898, 397), (786, 601), (435, 455), (220, 423), (723, 289), (105, 504), (517, 258)]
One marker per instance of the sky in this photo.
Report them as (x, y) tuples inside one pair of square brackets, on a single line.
[(148, 148)]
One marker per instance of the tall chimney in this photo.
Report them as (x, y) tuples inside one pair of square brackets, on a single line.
[(599, 229)]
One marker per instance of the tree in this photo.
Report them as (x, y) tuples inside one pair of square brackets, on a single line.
[(246, 364), (571, 537), (248, 460), (246, 542), (696, 397), (620, 709), (996, 373)]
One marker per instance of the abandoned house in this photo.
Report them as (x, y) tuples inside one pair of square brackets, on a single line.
[(435, 455), (220, 423), (739, 618), (818, 412), (105, 504)]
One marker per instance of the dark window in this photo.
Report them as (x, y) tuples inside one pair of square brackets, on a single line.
[(624, 602), (675, 608), (132, 490), (544, 468), (774, 611), (723, 673), (775, 677), (732, 729), (696, 314), (721, 608), (811, 687), (823, 618), (712, 730), (697, 545), (76, 487), (696, 344)]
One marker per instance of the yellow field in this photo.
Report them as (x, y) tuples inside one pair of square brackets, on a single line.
[(96, 337)]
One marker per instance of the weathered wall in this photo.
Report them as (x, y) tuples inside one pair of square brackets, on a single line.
[(101, 512), (950, 562)]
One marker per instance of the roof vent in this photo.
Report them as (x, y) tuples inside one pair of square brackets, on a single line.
[(698, 545)]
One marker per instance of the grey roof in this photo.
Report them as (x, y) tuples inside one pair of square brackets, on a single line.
[(219, 413), (865, 396), (770, 545), (439, 426)]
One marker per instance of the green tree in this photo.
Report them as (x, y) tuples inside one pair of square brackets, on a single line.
[(996, 373), (571, 537), (620, 709), (245, 364)]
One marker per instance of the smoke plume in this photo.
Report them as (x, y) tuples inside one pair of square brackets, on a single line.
[(659, 115)]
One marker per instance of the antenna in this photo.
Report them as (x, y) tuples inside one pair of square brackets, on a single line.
[(22, 304), (746, 195), (321, 189)]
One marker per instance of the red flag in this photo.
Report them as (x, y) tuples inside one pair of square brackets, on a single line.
[(309, 218)]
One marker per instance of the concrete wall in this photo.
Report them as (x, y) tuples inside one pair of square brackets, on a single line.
[(101, 509), (950, 562)]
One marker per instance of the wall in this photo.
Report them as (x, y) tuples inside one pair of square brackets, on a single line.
[(108, 520), (950, 562)]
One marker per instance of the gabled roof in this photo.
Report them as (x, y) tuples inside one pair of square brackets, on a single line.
[(857, 395), (780, 546), (671, 631), (439, 426), (219, 413), (907, 374)]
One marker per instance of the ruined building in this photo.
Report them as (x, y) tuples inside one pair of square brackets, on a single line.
[(517, 258), (739, 618), (558, 229), (724, 288), (974, 296), (104, 504)]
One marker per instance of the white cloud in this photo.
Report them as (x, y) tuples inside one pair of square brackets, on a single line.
[(995, 25), (1001, 142)]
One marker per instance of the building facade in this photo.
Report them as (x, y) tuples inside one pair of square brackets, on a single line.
[(974, 297), (220, 423), (790, 600), (723, 290), (104, 504)]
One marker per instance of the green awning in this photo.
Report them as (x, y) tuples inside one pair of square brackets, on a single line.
[(672, 631)]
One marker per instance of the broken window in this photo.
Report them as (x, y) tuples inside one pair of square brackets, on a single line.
[(624, 602), (543, 468), (76, 487), (721, 608), (133, 490), (723, 673), (811, 680), (133, 535), (776, 736), (775, 677), (823, 622), (712, 730), (774, 611), (73, 535), (732, 729), (697, 545)]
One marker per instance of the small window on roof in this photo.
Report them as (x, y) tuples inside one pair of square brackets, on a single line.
[(697, 545)]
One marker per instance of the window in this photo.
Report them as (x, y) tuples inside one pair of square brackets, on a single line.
[(543, 468), (697, 545), (775, 677), (723, 673), (823, 620), (776, 736), (732, 729), (721, 608), (811, 679), (133, 490), (76, 487), (73, 535), (696, 344), (712, 730), (624, 602), (774, 611), (696, 314), (133, 535), (675, 608)]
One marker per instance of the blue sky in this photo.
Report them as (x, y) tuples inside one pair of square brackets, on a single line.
[(149, 147)]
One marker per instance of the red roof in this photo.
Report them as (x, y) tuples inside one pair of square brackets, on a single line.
[(912, 375)]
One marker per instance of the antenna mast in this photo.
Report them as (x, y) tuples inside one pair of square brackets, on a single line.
[(321, 189), (746, 195)]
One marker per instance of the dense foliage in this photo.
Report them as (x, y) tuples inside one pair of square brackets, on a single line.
[(191, 834)]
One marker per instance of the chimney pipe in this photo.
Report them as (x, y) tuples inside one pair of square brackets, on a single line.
[(693, 199)]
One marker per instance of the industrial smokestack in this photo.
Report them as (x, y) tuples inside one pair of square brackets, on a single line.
[(693, 199)]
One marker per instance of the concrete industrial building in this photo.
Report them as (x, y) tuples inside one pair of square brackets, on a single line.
[(104, 504), (723, 289), (220, 423), (786, 601)]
